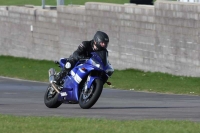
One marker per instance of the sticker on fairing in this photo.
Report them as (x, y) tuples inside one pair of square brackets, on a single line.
[(77, 78), (63, 94), (72, 73)]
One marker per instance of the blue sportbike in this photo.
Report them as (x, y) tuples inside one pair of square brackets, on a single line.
[(83, 84)]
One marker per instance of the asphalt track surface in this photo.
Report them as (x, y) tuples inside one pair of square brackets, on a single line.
[(19, 97)]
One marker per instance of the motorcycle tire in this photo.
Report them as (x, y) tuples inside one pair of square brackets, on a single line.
[(96, 92), (51, 102)]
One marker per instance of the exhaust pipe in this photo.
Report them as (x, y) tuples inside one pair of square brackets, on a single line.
[(52, 73)]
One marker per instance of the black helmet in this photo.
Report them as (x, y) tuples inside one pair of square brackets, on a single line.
[(100, 37)]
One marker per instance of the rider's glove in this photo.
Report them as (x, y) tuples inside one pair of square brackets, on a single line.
[(68, 65)]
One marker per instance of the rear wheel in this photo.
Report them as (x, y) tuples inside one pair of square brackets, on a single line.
[(88, 98), (51, 98)]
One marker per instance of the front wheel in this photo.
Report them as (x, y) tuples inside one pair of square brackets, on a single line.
[(89, 98), (51, 98)]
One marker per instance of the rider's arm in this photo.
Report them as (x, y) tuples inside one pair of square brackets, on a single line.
[(78, 54)]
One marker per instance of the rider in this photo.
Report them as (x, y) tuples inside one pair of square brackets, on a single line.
[(99, 43)]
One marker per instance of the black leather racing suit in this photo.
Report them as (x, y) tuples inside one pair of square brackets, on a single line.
[(84, 50)]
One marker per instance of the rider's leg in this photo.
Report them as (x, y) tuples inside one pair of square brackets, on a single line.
[(60, 76), (68, 66)]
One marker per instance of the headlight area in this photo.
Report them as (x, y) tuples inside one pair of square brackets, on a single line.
[(96, 64)]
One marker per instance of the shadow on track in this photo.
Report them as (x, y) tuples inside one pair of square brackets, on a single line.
[(137, 107)]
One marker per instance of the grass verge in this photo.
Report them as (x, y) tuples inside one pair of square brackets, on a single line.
[(19, 124), (129, 79)]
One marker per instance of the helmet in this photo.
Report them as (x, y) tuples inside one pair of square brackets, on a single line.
[(101, 37)]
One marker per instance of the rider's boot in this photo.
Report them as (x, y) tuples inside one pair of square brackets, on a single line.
[(62, 73), (60, 76)]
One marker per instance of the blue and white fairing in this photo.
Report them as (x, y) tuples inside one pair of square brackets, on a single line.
[(86, 70)]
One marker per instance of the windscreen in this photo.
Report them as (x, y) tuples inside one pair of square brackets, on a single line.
[(103, 55)]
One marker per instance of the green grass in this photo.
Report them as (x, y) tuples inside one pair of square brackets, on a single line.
[(25, 68), (129, 79), (19, 124), (155, 81)]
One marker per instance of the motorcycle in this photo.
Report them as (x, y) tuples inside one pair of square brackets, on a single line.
[(82, 85)]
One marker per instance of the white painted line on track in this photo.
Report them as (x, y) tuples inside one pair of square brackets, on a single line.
[(22, 79)]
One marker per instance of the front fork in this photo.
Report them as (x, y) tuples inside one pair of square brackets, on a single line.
[(88, 87), (88, 83)]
